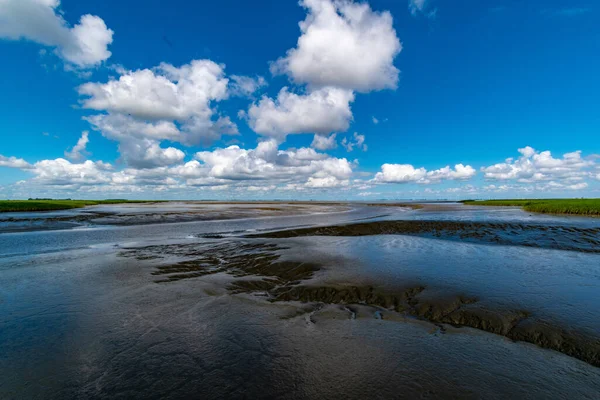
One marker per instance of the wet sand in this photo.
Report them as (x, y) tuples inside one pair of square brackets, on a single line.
[(408, 304), (136, 214), (266, 274), (558, 237)]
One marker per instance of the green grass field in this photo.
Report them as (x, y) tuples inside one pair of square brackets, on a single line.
[(548, 206), (49, 205)]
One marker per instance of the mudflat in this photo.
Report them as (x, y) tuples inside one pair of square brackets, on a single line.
[(335, 300)]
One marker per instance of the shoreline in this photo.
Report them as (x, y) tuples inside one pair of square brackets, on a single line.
[(566, 207), (61, 205)]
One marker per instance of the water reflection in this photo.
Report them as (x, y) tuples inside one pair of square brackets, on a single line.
[(80, 321)]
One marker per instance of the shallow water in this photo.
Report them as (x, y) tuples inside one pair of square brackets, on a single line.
[(83, 317)]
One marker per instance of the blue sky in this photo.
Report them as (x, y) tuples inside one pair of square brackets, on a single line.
[(407, 87)]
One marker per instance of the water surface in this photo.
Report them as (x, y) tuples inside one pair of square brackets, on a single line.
[(83, 316)]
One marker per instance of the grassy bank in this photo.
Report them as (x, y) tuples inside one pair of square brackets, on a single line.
[(548, 206), (49, 205)]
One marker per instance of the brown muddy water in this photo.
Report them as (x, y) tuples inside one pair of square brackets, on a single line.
[(298, 301)]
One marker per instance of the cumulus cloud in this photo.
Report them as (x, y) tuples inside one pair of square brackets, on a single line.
[(460, 172), (78, 152), (344, 47), (120, 127), (13, 162), (357, 141), (406, 173), (146, 153), (266, 162), (167, 92), (322, 142), (149, 103), (534, 166), (322, 111), (144, 107), (400, 173), (63, 172), (83, 45), (343, 44), (264, 168)]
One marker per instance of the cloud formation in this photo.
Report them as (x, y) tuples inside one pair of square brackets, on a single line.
[(321, 142), (83, 45), (406, 173), (229, 168), (322, 111), (535, 166), (166, 93), (144, 107), (357, 141), (343, 44), (78, 152), (13, 162)]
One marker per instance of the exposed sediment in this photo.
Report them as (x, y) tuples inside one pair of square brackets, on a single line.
[(235, 258), (260, 270), (504, 233), (458, 311)]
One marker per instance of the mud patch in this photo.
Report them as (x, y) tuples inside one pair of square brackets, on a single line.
[(235, 258), (458, 311), (261, 270), (514, 234)]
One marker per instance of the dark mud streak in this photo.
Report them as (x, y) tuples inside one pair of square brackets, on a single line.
[(585, 240), (281, 281), (234, 258), (458, 311)]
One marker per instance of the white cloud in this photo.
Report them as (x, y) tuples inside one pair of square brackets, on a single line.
[(551, 186), (83, 45), (417, 7), (322, 111), (535, 166), (167, 92), (63, 172), (245, 85), (78, 152), (147, 103), (13, 162), (357, 141), (406, 173), (122, 127), (326, 182), (375, 120), (266, 162), (368, 194), (343, 44), (322, 142), (147, 106), (460, 172), (146, 153), (400, 173)]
